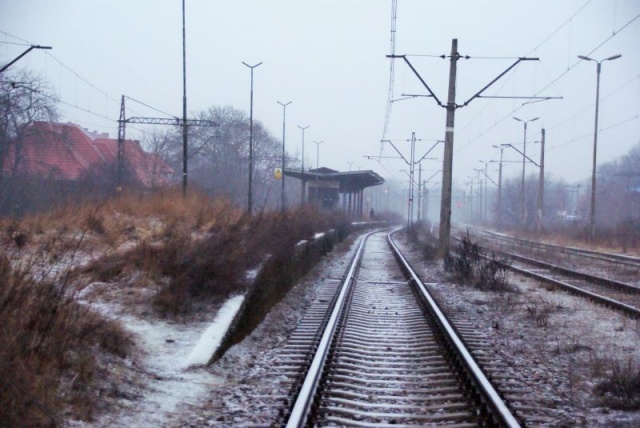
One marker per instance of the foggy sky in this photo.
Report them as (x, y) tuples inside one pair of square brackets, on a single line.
[(328, 57)]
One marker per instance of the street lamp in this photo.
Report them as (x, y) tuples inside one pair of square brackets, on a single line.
[(592, 214), (284, 119), (302, 167), (486, 175), (501, 147), (317, 168), (524, 155), (250, 196)]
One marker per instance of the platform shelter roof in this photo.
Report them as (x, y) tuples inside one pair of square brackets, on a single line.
[(350, 181)]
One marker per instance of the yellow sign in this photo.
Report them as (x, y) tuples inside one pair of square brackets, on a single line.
[(278, 173)]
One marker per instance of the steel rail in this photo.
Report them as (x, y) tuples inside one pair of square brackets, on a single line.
[(302, 407), (631, 310), (489, 395), (613, 257), (629, 288), (577, 290)]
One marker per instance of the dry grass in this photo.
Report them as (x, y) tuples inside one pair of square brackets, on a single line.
[(468, 264), (47, 336), (188, 250), (620, 389)]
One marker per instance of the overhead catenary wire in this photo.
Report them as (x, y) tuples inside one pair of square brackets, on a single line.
[(564, 73)]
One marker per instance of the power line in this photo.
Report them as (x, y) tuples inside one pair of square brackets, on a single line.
[(507, 116), (592, 104), (16, 37), (13, 43), (559, 28), (82, 78), (147, 105)]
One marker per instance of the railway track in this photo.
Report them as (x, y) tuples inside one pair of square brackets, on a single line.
[(621, 267), (620, 295), (377, 351)]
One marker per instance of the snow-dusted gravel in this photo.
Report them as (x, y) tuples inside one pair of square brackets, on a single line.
[(558, 359)]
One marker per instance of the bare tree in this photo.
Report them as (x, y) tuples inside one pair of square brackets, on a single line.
[(24, 99)]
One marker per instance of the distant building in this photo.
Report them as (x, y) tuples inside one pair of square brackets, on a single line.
[(67, 152), (326, 188)]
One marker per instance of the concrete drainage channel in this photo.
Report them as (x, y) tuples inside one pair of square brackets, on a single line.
[(263, 294)]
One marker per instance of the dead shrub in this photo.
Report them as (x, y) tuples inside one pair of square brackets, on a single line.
[(621, 389), (469, 265), (46, 336), (95, 222), (540, 311)]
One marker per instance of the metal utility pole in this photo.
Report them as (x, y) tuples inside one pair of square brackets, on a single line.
[(419, 192), (592, 212), (411, 179), (122, 122), (451, 106), (184, 103), (447, 164), (524, 156), (284, 121), (302, 166), (411, 162), (541, 186), (120, 153), (486, 174), (500, 189), (250, 192), (317, 143)]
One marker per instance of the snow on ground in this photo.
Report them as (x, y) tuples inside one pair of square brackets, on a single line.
[(556, 361), (211, 338), (170, 367)]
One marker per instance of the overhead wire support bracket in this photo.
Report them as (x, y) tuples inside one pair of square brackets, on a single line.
[(404, 57), (169, 121), (32, 47), (477, 94)]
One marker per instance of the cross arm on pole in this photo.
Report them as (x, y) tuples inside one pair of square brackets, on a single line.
[(517, 150), (376, 157), (477, 94), (432, 94), (398, 151), (485, 174), (170, 121), (429, 151), (32, 47)]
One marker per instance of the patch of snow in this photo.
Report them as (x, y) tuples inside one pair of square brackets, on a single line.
[(171, 374), (211, 338), (318, 235)]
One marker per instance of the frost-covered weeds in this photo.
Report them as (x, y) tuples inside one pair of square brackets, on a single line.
[(621, 388), (618, 382), (468, 264), (49, 345)]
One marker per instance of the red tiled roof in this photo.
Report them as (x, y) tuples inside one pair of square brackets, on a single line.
[(66, 152), (145, 166)]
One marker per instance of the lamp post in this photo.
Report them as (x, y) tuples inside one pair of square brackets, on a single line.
[(486, 175), (524, 155), (250, 196), (592, 213), (185, 134), (284, 121), (500, 187), (317, 143), (302, 166)]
